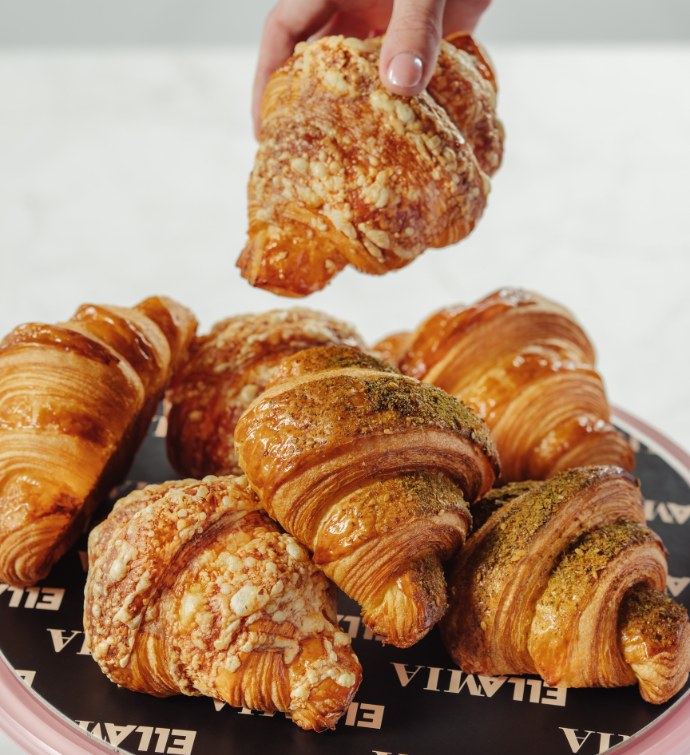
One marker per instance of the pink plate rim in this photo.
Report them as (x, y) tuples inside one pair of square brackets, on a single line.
[(670, 733), (41, 729)]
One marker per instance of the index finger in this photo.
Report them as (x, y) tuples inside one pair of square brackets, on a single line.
[(289, 22)]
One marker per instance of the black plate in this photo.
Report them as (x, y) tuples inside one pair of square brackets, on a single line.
[(411, 702)]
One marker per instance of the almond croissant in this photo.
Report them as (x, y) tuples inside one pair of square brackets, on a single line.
[(192, 589), (562, 578), (348, 173), (526, 367), (76, 399), (371, 470), (227, 369)]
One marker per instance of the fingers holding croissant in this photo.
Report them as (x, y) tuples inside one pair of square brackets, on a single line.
[(192, 589), (370, 470), (349, 174)]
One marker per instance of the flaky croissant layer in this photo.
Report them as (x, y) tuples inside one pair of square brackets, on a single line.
[(562, 578), (348, 173), (76, 399), (526, 366), (192, 589)]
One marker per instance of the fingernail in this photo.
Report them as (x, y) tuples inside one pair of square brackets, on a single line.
[(405, 70)]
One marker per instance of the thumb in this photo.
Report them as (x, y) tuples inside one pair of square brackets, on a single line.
[(410, 47)]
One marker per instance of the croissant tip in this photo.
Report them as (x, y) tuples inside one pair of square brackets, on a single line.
[(268, 269)]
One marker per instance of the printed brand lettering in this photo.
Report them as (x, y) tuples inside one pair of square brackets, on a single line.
[(454, 681), (365, 715), (596, 741), (143, 738), (668, 513), (40, 598), (353, 624), (220, 704), (26, 676), (676, 585), (62, 637)]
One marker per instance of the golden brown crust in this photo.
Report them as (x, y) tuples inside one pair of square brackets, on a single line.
[(226, 370), (371, 471), (526, 367), (348, 173), (565, 580), (192, 589), (76, 398)]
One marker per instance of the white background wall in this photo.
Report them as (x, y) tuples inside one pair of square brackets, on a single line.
[(220, 22)]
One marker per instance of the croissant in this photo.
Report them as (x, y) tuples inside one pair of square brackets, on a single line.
[(227, 369), (76, 399), (526, 367), (192, 589), (348, 173), (371, 471), (563, 579)]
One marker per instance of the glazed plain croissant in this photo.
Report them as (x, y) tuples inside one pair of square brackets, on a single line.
[(76, 399), (226, 370), (562, 578), (526, 367), (349, 174), (192, 589), (371, 471)]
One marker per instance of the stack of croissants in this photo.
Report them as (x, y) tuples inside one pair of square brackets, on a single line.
[(464, 474)]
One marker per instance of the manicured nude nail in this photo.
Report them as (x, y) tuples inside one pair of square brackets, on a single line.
[(405, 70)]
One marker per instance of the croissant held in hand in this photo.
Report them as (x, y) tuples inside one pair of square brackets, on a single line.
[(348, 173), (227, 369), (562, 578), (76, 399), (526, 367), (192, 589), (370, 470)]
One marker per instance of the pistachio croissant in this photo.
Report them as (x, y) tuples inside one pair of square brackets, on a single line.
[(76, 399), (349, 174), (192, 589), (371, 471), (526, 367), (562, 578), (226, 370)]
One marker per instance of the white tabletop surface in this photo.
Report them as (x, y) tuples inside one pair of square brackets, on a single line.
[(123, 174)]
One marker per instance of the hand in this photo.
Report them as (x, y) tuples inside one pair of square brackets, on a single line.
[(413, 35)]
